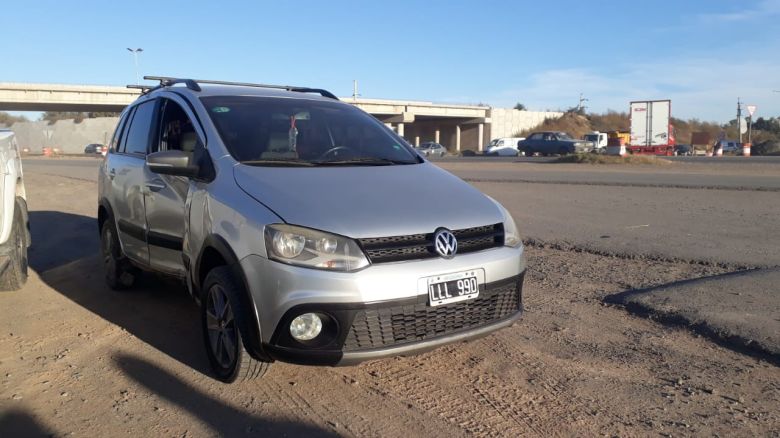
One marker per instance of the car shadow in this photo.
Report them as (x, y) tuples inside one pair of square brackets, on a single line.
[(17, 423), (155, 310), (220, 417), (59, 238)]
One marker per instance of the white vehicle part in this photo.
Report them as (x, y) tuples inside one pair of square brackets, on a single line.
[(10, 173)]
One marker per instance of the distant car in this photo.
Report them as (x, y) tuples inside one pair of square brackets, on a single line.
[(551, 143), (729, 145), (683, 150), (505, 147), (431, 149), (94, 148)]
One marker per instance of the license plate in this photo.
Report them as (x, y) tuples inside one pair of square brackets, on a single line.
[(451, 288)]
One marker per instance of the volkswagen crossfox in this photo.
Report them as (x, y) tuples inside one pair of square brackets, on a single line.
[(307, 231)]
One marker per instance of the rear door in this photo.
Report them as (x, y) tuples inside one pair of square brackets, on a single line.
[(166, 195), (125, 169)]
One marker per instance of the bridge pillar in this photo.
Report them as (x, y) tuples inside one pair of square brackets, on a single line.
[(400, 129), (481, 135), (437, 135), (457, 138)]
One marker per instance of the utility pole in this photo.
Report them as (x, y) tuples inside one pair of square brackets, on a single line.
[(135, 53), (739, 119), (580, 106), (354, 90)]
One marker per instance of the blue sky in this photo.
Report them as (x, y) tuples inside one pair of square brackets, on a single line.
[(700, 54)]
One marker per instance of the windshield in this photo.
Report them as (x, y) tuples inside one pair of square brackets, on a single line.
[(592, 137), (274, 131)]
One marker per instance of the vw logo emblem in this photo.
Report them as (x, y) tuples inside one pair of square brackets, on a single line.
[(445, 243)]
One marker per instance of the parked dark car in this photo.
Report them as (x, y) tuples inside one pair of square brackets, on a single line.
[(431, 149), (683, 150), (94, 148), (550, 143)]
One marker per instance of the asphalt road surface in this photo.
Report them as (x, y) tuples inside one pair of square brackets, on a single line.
[(723, 212)]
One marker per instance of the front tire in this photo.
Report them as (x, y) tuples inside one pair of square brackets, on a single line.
[(119, 273), (15, 274), (221, 313)]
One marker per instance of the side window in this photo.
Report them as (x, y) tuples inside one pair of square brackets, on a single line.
[(114, 145), (176, 129), (138, 134)]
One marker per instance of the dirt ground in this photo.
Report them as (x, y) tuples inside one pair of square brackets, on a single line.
[(78, 359)]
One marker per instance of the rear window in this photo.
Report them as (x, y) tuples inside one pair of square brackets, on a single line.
[(258, 130)]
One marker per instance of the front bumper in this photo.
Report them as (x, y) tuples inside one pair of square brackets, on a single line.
[(365, 307), (400, 327)]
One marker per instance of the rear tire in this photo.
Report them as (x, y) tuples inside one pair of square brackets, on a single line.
[(119, 273), (15, 274), (221, 316)]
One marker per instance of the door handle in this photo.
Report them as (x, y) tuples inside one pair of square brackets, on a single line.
[(155, 185), (112, 173)]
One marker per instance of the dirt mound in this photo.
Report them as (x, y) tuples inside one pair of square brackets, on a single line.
[(574, 124)]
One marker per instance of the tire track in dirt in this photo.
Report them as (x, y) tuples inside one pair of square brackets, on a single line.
[(427, 383)]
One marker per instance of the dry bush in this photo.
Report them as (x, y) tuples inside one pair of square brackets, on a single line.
[(613, 159)]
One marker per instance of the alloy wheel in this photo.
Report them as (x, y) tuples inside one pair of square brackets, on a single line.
[(221, 326)]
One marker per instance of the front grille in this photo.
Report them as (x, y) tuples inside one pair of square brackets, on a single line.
[(382, 327), (420, 246)]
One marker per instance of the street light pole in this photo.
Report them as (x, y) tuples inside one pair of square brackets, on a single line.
[(135, 53)]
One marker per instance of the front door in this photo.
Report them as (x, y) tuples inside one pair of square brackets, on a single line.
[(166, 195)]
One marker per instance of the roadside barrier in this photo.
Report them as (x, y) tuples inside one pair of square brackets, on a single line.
[(617, 149), (746, 150)]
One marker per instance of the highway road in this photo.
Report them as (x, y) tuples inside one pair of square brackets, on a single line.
[(717, 212)]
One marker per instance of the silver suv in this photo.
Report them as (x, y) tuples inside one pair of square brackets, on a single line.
[(307, 230)]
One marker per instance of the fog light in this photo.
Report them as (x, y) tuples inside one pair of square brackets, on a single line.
[(306, 327)]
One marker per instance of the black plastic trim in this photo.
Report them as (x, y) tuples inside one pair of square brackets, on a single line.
[(164, 240), (131, 229)]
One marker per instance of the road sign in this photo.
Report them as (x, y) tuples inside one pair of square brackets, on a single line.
[(743, 125), (751, 109)]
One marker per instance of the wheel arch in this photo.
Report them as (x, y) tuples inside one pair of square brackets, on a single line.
[(216, 252)]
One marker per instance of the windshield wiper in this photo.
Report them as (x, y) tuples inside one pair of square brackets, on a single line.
[(367, 161), (289, 163)]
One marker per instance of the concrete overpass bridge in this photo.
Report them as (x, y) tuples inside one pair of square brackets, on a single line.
[(454, 126)]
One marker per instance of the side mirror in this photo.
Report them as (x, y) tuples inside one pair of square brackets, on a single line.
[(177, 163)]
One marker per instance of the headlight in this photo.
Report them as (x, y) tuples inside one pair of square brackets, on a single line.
[(511, 235), (313, 249)]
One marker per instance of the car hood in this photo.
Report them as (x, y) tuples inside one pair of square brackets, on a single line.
[(369, 201)]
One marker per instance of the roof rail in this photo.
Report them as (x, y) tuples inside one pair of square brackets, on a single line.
[(168, 81), (192, 84)]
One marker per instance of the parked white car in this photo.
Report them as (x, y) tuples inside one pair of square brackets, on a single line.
[(506, 146), (14, 229)]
